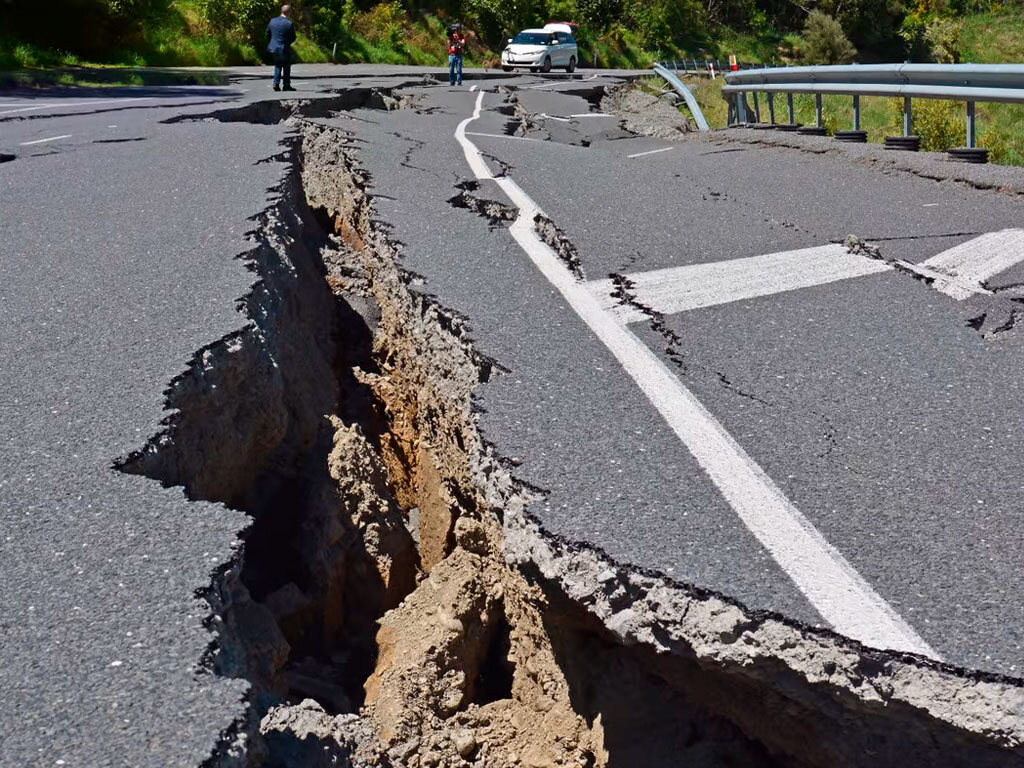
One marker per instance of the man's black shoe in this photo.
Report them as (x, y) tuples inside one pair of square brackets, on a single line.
[(287, 88), (276, 88)]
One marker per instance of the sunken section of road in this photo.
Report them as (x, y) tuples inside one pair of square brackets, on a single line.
[(396, 602)]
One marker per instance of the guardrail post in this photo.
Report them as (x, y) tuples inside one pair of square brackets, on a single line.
[(789, 103), (771, 108), (907, 121), (856, 113), (741, 107), (757, 109), (971, 136), (817, 110)]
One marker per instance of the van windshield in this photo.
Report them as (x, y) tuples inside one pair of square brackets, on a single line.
[(533, 38)]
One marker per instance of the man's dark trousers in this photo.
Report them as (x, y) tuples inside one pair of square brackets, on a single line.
[(281, 34), (283, 67)]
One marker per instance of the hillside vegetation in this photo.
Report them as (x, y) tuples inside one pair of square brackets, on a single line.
[(988, 38), (619, 32)]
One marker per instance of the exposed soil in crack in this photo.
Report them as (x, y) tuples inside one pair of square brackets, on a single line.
[(498, 214), (643, 113), (396, 604), (560, 244)]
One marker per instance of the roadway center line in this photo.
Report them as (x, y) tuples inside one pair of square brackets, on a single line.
[(501, 136), (678, 289), (43, 141), (835, 589), (651, 152)]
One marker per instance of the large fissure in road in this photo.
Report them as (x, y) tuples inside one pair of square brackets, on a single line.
[(394, 603)]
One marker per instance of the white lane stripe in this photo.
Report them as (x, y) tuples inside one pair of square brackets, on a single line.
[(960, 271), (77, 104), (543, 115), (501, 136), (472, 88), (592, 114), (678, 289), (829, 582), (983, 257), (652, 152), (43, 141), (545, 85)]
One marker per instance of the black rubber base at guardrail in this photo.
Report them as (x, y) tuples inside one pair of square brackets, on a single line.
[(852, 137), (788, 127), (811, 130), (904, 143), (968, 155)]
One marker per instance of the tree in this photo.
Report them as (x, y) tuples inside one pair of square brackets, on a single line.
[(824, 41)]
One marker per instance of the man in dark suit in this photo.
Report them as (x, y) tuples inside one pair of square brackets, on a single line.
[(281, 34)]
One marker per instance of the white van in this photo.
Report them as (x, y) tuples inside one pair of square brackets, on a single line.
[(542, 49)]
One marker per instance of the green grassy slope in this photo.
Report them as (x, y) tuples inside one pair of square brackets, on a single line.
[(984, 38)]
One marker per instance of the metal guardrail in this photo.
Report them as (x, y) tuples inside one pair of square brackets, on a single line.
[(682, 90), (969, 83), (703, 66)]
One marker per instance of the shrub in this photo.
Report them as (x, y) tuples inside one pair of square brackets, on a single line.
[(940, 124), (824, 41)]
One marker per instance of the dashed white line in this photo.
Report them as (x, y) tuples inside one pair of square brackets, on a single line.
[(76, 104), (960, 271), (43, 141), (679, 289), (651, 152), (830, 583)]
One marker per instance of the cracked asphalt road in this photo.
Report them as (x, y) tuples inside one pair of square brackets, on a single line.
[(871, 402), (889, 422)]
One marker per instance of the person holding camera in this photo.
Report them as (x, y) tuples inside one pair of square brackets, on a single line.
[(456, 44)]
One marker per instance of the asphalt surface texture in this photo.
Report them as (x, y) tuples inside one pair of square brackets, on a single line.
[(874, 403)]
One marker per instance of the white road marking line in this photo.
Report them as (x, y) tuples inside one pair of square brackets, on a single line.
[(544, 115), (651, 152), (77, 104), (930, 205), (829, 582), (472, 88), (43, 141), (535, 87), (678, 289), (501, 135), (960, 271), (592, 114)]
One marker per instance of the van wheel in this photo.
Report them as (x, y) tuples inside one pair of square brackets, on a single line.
[(572, 65), (506, 69), (547, 64)]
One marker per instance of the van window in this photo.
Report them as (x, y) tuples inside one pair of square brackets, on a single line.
[(532, 38)]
